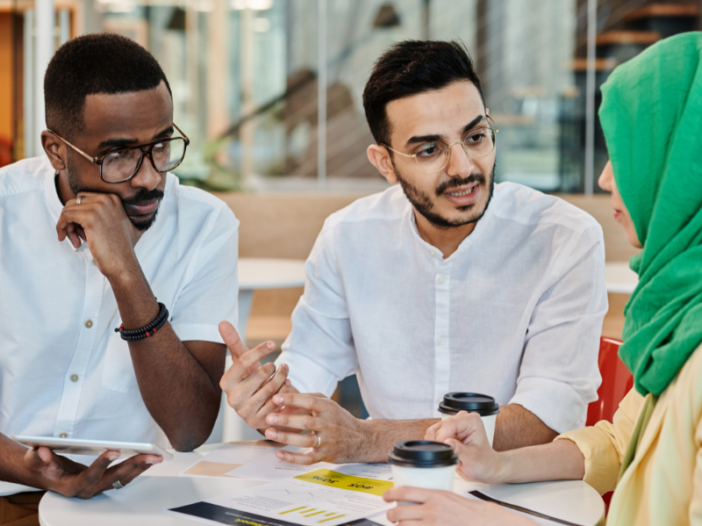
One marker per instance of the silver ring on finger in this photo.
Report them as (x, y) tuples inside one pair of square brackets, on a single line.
[(79, 200), (118, 485), (319, 441)]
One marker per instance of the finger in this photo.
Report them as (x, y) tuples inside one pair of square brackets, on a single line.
[(291, 439), (302, 459), (251, 384), (305, 422), (407, 513), (261, 398), (233, 341), (303, 401), (130, 469), (463, 426), (431, 432), (92, 475), (81, 233), (407, 494)]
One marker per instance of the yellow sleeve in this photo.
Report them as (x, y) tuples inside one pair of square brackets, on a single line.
[(696, 501), (604, 444)]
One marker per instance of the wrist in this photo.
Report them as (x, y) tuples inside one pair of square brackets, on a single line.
[(505, 468)]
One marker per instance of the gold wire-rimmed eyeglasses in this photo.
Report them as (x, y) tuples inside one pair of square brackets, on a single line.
[(434, 156), (120, 165)]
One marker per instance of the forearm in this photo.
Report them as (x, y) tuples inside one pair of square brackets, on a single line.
[(12, 467), (381, 435), (518, 427), (177, 390), (559, 460)]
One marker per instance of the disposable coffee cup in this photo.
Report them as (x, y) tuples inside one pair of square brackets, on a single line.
[(423, 464), (484, 405)]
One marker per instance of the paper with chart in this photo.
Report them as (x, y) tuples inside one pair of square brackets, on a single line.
[(320, 498), (228, 457), (270, 467)]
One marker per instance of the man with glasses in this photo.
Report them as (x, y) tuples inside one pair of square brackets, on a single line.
[(445, 282), (113, 277)]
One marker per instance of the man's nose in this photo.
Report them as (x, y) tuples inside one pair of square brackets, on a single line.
[(460, 164), (147, 177)]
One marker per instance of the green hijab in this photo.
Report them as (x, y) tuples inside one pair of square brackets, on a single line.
[(651, 115)]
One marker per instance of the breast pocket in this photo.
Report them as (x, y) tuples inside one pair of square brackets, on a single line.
[(118, 373)]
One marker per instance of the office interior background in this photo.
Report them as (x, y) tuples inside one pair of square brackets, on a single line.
[(270, 93)]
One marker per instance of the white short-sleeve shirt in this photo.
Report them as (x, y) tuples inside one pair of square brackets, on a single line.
[(63, 369), (516, 312)]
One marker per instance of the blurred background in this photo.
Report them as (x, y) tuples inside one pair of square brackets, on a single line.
[(270, 93)]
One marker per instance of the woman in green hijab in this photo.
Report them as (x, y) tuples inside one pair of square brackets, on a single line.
[(651, 455)]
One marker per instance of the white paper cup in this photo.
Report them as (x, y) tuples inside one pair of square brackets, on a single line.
[(423, 464), (484, 405)]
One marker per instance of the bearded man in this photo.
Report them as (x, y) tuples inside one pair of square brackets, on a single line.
[(444, 282)]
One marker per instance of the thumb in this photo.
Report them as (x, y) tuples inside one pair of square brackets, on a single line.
[(232, 340), (455, 444), (37, 458)]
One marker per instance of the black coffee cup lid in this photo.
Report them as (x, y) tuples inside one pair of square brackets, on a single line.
[(422, 454), (482, 404)]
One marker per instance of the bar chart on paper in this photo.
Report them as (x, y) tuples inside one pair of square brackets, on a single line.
[(321, 516)]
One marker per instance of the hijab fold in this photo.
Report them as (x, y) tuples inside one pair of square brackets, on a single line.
[(651, 115)]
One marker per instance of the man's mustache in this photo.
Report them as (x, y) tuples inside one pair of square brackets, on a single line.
[(455, 183), (143, 196)]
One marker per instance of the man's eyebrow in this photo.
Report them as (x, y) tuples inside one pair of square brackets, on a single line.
[(424, 138), (116, 143), (472, 124), (124, 143), (167, 131), (431, 138)]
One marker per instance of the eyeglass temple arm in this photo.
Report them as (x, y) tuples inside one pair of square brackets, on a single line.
[(91, 159)]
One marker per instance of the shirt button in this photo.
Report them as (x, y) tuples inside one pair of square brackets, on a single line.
[(441, 280), (74, 378), (88, 324), (440, 341), (433, 253), (94, 263), (63, 435)]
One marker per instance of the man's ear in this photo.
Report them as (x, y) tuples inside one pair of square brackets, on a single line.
[(55, 150), (379, 156)]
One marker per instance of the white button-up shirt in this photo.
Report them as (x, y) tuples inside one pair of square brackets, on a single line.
[(64, 372), (516, 312)]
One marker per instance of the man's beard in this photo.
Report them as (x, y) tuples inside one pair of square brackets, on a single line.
[(143, 196), (424, 205)]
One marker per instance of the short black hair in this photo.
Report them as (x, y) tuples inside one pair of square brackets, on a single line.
[(409, 68), (90, 64)]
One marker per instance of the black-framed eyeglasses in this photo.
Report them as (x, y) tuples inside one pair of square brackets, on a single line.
[(120, 165)]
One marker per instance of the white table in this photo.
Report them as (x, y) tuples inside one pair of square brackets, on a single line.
[(619, 278), (141, 503), (254, 274)]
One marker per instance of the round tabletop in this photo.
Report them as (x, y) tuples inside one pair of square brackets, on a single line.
[(619, 278), (145, 499), (270, 273)]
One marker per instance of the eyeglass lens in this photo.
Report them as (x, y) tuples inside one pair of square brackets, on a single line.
[(433, 156), (122, 164)]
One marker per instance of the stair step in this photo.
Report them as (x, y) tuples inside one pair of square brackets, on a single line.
[(627, 37), (663, 10), (601, 64)]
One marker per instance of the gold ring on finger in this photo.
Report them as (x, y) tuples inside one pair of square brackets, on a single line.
[(79, 199), (319, 441)]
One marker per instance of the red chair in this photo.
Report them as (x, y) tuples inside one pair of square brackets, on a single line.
[(617, 381)]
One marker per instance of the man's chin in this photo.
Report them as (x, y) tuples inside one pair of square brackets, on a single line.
[(143, 223)]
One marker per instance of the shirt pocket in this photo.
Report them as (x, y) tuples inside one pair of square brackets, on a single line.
[(118, 373)]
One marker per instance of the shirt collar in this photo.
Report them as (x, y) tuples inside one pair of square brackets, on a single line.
[(471, 239)]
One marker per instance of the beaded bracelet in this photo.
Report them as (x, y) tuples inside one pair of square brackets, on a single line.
[(147, 330)]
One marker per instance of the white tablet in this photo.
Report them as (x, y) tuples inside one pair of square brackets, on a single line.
[(74, 446)]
